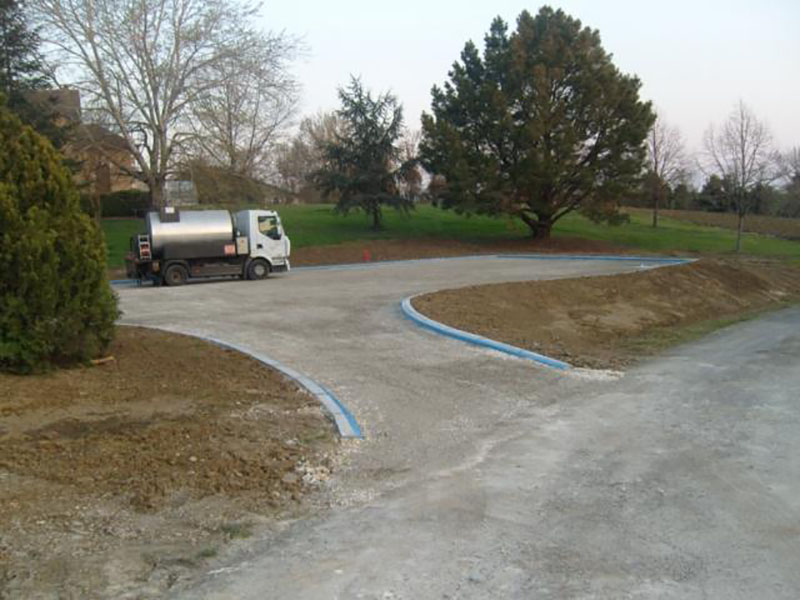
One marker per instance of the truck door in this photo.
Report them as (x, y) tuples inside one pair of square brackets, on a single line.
[(269, 241)]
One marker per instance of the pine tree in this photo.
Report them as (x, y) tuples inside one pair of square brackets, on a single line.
[(56, 305), (362, 164), (22, 71), (540, 125), (20, 62)]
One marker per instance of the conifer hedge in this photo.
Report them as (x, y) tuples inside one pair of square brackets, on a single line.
[(56, 305)]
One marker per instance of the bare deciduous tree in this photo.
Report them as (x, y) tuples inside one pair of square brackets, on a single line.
[(414, 181), (409, 144), (790, 172), (790, 164), (666, 161), (238, 123), (145, 64), (741, 153), (303, 155)]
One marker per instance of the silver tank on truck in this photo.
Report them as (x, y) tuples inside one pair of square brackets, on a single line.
[(189, 233)]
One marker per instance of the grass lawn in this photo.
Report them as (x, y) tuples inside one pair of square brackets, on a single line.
[(782, 227), (315, 225), (118, 234), (673, 235)]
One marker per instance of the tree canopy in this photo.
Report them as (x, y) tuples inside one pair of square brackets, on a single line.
[(540, 125), (238, 124), (362, 163), (170, 76)]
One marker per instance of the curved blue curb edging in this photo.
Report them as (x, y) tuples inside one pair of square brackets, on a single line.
[(478, 340), (345, 421)]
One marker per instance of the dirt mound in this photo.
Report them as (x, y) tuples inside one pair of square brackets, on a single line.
[(166, 445), (611, 321)]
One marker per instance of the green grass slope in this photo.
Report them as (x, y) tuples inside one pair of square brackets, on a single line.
[(315, 225)]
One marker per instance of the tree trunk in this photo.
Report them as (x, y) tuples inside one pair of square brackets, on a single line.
[(377, 220), (739, 229), (541, 229), (157, 196), (656, 202)]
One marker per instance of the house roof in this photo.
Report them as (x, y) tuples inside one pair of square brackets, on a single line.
[(92, 135), (63, 102)]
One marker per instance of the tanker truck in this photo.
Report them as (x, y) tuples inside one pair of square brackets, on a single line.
[(178, 245)]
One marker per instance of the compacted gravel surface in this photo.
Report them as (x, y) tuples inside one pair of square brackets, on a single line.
[(486, 476)]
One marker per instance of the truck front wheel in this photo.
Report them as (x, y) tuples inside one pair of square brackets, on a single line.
[(176, 275), (258, 269)]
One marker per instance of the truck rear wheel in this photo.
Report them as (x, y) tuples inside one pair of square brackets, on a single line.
[(176, 275), (258, 269)]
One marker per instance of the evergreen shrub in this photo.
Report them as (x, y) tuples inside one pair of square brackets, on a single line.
[(56, 305)]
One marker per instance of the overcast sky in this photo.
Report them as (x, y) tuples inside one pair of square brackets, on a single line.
[(695, 59)]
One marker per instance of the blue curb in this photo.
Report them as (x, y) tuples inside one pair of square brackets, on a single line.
[(478, 340), (125, 282), (345, 422), (354, 430)]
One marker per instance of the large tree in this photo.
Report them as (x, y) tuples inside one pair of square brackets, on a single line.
[(362, 165), (144, 64), (541, 125), (741, 154)]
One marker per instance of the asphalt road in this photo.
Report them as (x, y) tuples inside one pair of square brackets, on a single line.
[(486, 476)]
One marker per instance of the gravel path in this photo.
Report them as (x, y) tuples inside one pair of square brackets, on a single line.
[(420, 400), (486, 476)]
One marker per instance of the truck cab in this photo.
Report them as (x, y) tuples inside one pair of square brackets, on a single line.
[(265, 237)]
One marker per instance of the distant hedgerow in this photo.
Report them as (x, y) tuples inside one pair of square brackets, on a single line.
[(56, 305)]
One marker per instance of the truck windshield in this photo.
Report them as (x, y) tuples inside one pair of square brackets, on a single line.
[(268, 226)]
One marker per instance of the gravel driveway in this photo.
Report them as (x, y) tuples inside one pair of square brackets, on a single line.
[(486, 476), (420, 400)]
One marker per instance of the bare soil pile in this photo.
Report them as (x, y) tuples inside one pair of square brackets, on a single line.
[(606, 322), (164, 447)]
